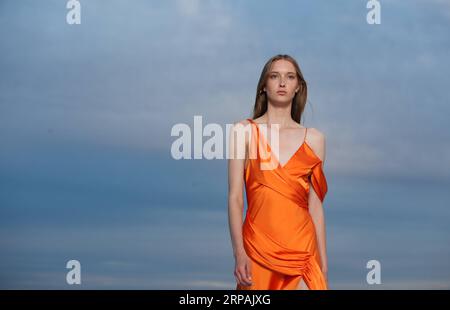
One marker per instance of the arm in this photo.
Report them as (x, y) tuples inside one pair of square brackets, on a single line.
[(315, 204), (236, 162)]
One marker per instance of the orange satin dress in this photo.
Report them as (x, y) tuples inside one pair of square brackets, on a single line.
[(278, 232)]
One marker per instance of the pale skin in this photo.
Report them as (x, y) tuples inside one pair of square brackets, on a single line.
[(282, 76)]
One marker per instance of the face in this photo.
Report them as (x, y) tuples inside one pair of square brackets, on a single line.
[(282, 81)]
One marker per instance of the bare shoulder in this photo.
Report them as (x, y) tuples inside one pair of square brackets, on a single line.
[(241, 122), (239, 138), (315, 134), (241, 127), (317, 140)]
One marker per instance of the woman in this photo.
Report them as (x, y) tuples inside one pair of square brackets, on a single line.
[(281, 244)]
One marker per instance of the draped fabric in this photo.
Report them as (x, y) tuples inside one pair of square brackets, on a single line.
[(278, 232)]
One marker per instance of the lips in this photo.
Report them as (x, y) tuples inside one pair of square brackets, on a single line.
[(281, 92)]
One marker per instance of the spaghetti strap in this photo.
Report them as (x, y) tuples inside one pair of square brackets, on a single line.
[(257, 136), (306, 131), (252, 122)]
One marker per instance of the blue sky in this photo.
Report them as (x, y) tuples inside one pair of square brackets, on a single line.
[(86, 113)]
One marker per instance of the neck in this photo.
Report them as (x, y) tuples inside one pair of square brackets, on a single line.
[(278, 114)]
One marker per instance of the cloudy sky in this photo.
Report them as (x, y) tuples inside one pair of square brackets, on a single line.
[(86, 113)]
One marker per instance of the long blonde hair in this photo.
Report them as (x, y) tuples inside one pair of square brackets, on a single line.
[(299, 100)]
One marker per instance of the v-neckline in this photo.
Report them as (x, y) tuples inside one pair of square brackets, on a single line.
[(282, 166)]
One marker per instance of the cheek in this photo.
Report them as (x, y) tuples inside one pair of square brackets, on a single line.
[(294, 87), (271, 84)]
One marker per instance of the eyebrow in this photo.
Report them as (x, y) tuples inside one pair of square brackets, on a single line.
[(279, 72)]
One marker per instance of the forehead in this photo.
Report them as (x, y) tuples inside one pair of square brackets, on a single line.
[(282, 65)]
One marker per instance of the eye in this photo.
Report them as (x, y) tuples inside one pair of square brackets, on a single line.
[(272, 76), (292, 77)]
